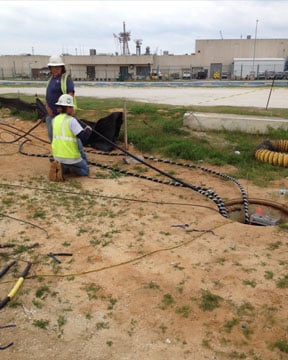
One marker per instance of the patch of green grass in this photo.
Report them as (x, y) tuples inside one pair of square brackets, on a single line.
[(274, 246), (88, 316), (228, 326), (245, 309), (251, 283), (247, 333), (133, 324), (209, 301), (178, 266), (41, 323), (282, 345), (206, 344), (283, 282), (7, 201), (66, 244), (37, 304), (39, 214), (92, 291), (138, 109), (94, 241), (283, 226), (183, 310), (42, 292), (25, 115), (167, 300), (163, 328), (61, 321), (269, 275), (102, 325), (112, 302), (152, 285), (237, 355)]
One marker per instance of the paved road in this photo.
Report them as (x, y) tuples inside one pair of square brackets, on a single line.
[(206, 96)]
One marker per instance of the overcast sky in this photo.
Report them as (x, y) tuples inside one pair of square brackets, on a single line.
[(54, 27)]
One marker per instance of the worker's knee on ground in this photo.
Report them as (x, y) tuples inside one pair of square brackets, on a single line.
[(75, 170)]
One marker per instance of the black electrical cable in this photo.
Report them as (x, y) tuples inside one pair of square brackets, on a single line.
[(16, 287), (230, 178), (23, 135), (177, 182), (203, 191), (25, 222)]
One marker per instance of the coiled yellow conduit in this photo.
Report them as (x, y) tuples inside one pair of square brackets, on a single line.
[(273, 152)]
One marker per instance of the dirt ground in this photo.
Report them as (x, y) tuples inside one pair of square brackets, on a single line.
[(137, 285)]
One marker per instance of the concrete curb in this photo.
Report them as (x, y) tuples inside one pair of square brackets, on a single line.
[(252, 124)]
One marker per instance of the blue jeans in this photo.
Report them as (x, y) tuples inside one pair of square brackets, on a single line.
[(79, 169), (48, 121)]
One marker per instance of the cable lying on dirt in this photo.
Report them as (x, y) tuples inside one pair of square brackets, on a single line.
[(176, 182), (130, 261), (19, 137), (25, 222), (16, 287), (243, 193), (11, 343)]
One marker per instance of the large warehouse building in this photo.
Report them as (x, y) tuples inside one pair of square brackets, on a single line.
[(212, 59)]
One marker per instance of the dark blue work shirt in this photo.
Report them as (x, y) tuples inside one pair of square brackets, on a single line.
[(53, 91)]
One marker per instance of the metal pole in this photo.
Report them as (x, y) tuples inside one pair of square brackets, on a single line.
[(270, 93), (125, 127), (254, 47)]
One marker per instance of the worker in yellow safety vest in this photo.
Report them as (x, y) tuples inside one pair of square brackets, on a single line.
[(66, 133), (59, 83)]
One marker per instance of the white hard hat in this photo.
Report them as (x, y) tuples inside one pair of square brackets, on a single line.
[(56, 60), (65, 100)]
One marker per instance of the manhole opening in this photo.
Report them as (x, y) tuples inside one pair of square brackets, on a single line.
[(259, 215)]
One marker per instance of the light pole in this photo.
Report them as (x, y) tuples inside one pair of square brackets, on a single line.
[(254, 47)]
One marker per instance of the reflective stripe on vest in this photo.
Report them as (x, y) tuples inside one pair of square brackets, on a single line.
[(63, 82), (64, 142)]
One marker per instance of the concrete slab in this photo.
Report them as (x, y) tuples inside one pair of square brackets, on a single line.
[(259, 97), (252, 124)]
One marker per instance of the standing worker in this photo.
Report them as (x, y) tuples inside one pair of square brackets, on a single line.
[(59, 83), (65, 149)]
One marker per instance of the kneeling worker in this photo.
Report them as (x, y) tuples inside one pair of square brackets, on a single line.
[(65, 131)]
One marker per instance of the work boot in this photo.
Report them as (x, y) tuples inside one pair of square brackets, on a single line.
[(55, 173), (59, 172)]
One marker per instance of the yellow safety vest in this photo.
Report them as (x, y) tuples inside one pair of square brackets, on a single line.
[(64, 142), (63, 84)]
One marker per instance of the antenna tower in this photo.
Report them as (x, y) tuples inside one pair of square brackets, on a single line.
[(123, 39)]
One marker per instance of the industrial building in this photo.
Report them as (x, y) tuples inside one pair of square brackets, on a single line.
[(218, 59)]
